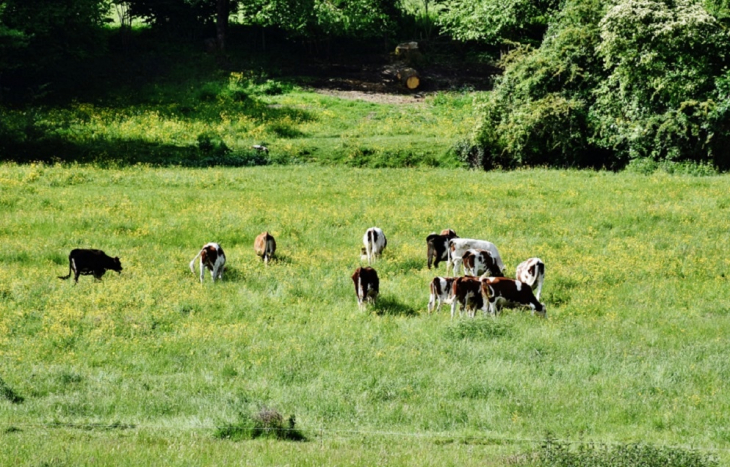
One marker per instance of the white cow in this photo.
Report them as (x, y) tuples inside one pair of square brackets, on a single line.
[(459, 246), (532, 273), (375, 242), (441, 289)]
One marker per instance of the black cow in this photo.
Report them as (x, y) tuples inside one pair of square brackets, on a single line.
[(85, 262), (438, 247)]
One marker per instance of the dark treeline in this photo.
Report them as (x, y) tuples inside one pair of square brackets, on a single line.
[(585, 83)]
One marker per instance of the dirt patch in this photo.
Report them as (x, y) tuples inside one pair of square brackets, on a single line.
[(375, 80)]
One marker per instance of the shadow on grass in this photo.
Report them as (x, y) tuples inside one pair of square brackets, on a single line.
[(389, 306)]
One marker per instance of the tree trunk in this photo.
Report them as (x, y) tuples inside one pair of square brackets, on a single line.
[(409, 78), (221, 24)]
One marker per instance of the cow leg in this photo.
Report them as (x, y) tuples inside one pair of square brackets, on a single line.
[(202, 270), (431, 303), (453, 308)]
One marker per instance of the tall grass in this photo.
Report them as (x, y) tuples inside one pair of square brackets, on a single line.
[(143, 367)]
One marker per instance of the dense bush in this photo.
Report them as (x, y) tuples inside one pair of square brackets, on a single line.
[(611, 83)]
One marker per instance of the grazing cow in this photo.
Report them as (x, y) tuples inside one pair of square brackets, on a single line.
[(212, 258), (438, 247), (84, 262), (532, 273), (459, 246), (441, 288), (480, 262), (466, 291), (265, 246), (497, 291), (375, 242), (367, 285)]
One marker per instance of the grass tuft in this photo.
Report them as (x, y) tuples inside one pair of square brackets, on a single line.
[(266, 423), (478, 328), (6, 392)]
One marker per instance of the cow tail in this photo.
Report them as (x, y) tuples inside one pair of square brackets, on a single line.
[(69, 272), (192, 263)]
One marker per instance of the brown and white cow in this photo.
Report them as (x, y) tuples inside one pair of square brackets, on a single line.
[(497, 291), (441, 288), (265, 246), (211, 258), (375, 242), (459, 246), (438, 247), (466, 291), (532, 273), (367, 285), (480, 262), (84, 262)]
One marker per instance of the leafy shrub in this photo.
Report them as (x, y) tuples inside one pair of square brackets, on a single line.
[(612, 83), (212, 145), (266, 423), (553, 453)]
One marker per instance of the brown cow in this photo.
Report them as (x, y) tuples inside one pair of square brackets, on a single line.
[(265, 246), (480, 262), (466, 291), (211, 258), (497, 291), (367, 285)]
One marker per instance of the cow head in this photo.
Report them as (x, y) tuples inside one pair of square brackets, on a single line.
[(116, 265)]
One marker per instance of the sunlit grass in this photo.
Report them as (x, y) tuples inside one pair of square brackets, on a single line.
[(634, 347)]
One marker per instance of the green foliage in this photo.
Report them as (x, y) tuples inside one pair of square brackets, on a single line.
[(476, 329), (496, 22), (554, 453), (610, 83), (319, 18)]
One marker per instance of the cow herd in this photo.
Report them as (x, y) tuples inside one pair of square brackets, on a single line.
[(484, 285)]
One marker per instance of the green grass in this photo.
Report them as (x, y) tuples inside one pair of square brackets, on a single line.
[(168, 123), (146, 367)]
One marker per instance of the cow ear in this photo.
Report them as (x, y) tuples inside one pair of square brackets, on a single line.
[(116, 258)]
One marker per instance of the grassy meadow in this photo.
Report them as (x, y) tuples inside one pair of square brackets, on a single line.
[(147, 367)]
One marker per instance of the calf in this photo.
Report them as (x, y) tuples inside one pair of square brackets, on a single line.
[(265, 246), (212, 258), (459, 246), (532, 273), (438, 247), (375, 242), (367, 285), (466, 291), (441, 288), (84, 262), (480, 262), (497, 291)]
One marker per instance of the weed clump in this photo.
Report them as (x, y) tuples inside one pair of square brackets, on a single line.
[(553, 453), (266, 423), (6, 392), (476, 329)]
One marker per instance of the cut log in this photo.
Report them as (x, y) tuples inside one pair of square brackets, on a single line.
[(409, 78)]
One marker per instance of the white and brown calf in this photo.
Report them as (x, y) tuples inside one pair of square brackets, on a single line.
[(265, 246), (466, 291), (480, 262), (438, 247), (211, 258), (498, 291), (441, 288), (532, 273), (459, 246), (367, 285), (375, 242)]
